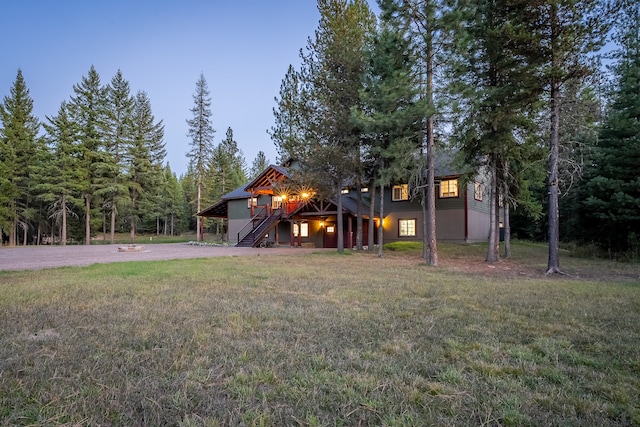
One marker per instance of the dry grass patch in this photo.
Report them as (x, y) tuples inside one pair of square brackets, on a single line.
[(315, 340)]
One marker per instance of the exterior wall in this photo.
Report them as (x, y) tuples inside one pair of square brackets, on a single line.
[(390, 225), (477, 215), (237, 209), (233, 227), (239, 216), (478, 226), (450, 217)]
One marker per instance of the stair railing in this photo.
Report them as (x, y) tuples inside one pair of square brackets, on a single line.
[(264, 214)]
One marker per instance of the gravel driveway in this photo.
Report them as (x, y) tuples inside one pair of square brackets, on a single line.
[(40, 257)]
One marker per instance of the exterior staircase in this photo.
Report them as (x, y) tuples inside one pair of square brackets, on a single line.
[(254, 232)]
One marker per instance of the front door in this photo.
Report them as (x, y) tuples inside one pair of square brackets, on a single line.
[(330, 235)]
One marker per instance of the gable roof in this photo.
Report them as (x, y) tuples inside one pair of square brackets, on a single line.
[(268, 178)]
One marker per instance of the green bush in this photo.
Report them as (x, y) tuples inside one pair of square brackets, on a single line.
[(403, 246)]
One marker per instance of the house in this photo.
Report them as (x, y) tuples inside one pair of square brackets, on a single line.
[(273, 209)]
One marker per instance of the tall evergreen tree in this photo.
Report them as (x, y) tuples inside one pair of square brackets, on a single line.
[(227, 171), (172, 203), (421, 22), (111, 183), (259, 164), (390, 113), (60, 180), (19, 145), (569, 31), (494, 75), (227, 168), (201, 133), (612, 204), (145, 157), (287, 132), (88, 110), (332, 71)]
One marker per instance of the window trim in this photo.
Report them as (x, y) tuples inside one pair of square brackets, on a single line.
[(252, 201), (478, 191), (404, 192), (408, 220), (449, 194), (301, 229)]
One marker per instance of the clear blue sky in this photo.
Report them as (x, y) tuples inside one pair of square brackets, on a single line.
[(243, 48)]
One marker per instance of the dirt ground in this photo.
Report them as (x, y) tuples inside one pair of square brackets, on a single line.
[(41, 257)]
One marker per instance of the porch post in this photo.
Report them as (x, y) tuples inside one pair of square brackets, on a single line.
[(292, 243), (350, 231)]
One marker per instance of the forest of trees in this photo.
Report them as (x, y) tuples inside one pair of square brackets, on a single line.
[(97, 167), (516, 88)]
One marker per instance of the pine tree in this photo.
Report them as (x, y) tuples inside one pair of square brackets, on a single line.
[(19, 146), (420, 23), (201, 133), (145, 157), (612, 205), (226, 171), (173, 203), (88, 111), (332, 71), (110, 179), (389, 114), (568, 32), (259, 164), (494, 77), (59, 182), (287, 132)]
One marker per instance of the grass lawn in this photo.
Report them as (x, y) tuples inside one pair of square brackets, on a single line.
[(323, 340)]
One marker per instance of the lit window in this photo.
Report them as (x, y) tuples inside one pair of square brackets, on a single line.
[(303, 227), (449, 188), (253, 201), (331, 229), (345, 190), (406, 227), (276, 202), (400, 192), (364, 189), (477, 191)]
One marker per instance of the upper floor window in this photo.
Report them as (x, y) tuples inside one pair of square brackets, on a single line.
[(252, 201), (448, 188), (400, 192), (276, 202), (477, 191)]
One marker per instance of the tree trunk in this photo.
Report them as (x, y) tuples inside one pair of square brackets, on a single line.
[(87, 223), (339, 220), (506, 222), (63, 233), (493, 249), (432, 254), (198, 218), (553, 265), (113, 222), (431, 257), (132, 227), (381, 228), (372, 213), (359, 219), (553, 191)]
